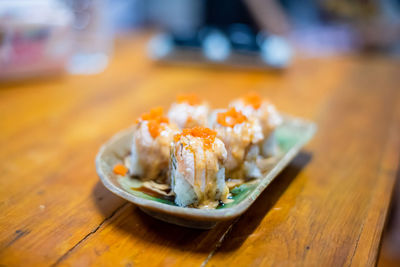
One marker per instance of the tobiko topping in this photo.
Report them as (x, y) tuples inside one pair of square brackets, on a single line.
[(155, 118), (206, 134), (231, 117), (253, 99)]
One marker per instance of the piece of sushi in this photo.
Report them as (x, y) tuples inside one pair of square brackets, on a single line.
[(241, 136), (150, 152), (189, 111), (196, 169), (252, 105)]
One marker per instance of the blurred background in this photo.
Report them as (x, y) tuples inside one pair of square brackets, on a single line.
[(50, 36), (43, 38)]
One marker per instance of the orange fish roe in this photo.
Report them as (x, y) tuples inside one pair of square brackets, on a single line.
[(231, 117), (154, 128), (120, 169), (206, 134), (191, 99), (155, 118), (154, 113), (253, 99)]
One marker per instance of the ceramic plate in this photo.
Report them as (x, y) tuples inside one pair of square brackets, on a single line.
[(291, 136)]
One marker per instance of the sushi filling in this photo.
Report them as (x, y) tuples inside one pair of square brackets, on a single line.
[(252, 105), (197, 172), (240, 135), (150, 147)]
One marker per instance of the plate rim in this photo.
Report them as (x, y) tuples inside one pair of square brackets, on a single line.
[(203, 214)]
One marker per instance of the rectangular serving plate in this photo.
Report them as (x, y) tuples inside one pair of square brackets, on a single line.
[(291, 136)]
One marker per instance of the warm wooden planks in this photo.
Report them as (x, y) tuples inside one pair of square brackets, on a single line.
[(132, 238), (54, 211), (336, 217)]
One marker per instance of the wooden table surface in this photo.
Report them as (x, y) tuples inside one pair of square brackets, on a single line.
[(328, 207)]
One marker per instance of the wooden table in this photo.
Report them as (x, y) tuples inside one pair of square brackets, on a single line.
[(327, 208)]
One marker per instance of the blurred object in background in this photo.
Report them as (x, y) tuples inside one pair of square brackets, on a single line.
[(180, 17), (46, 36), (225, 32), (92, 41), (328, 27), (35, 38), (377, 22), (127, 15)]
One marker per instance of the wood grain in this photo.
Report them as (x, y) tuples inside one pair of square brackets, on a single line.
[(329, 206), (338, 217)]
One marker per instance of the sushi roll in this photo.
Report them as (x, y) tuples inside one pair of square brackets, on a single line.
[(189, 111), (252, 105), (197, 172), (241, 136), (150, 152)]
